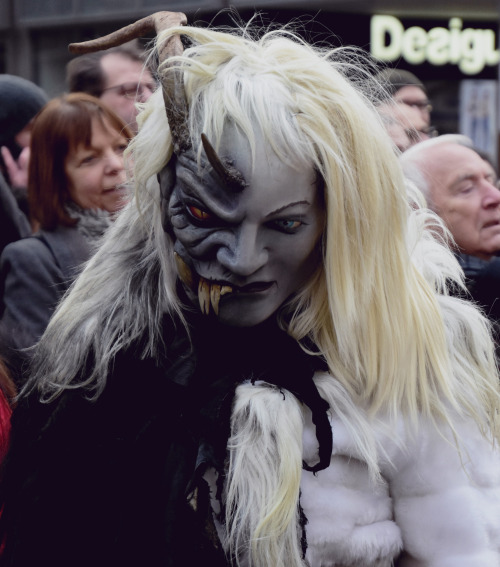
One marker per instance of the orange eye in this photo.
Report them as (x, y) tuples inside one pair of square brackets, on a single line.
[(199, 213)]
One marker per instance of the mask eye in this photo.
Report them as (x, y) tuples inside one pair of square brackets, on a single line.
[(199, 214), (289, 224)]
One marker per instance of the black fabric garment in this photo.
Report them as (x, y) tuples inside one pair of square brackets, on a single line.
[(108, 482), (104, 483), (35, 272), (13, 222), (482, 278), (263, 352), (483, 282)]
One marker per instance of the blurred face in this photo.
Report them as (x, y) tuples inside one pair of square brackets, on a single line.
[(405, 124), (126, 82), (399, 136), (464, 195), (415, 125), (23, 137), (394, 127), (247, 251), (96, 174), (414, 97)]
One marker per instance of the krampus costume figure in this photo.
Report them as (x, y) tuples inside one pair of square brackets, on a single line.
[(261, 365)]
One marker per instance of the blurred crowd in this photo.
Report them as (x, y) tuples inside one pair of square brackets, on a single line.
[(458, 181), (63, 179)]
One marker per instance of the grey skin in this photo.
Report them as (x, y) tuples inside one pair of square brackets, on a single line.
[(245, 252)]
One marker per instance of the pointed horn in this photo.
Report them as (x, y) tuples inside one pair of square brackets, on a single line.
[(176, 107), (231, 177), (172, 82), (154, 23)]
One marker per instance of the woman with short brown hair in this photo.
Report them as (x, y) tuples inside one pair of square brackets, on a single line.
[(77, 183)]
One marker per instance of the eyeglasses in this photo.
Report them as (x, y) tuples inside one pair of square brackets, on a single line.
[(430, 131), (423, 105), (132, 90), (416, 136)]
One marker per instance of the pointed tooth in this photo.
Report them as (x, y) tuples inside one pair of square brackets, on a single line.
[(215, 297), (184, 271), (204, 296), (225, 289)]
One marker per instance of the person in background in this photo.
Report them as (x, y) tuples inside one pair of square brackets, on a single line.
[(399, 124), (13, 221), (20, 101), (405, 101), (260, 365), (117, 76), (460, 184), (77, 183)]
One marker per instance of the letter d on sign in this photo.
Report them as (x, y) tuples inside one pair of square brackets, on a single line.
[(379, 27)]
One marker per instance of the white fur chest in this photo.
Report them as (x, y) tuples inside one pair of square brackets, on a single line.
[(387, 495), (350, 517)]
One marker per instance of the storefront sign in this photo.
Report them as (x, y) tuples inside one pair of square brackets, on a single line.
[(471, 49)]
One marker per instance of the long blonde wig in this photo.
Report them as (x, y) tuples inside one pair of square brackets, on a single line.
[(377, 308)]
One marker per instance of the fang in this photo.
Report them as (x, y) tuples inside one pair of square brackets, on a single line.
[(204, 296)]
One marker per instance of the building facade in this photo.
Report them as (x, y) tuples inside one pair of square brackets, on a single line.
[(451, 45)]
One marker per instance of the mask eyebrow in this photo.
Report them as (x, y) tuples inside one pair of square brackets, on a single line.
[(204, 192), (284, 207)]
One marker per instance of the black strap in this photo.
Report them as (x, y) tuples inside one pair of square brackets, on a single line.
[(223, 357)]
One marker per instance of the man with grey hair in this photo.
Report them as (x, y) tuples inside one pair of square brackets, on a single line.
[(460, 185)]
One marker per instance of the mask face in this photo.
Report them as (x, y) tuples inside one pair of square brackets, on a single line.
[(245, 252)]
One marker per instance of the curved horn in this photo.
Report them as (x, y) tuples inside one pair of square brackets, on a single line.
[(154, 23), (172, 83), (230, 176)]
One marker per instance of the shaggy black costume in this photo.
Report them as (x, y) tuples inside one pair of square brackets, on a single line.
[(138, 453)]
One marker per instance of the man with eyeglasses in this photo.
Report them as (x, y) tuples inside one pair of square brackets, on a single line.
[(404, 125), (117, 76), (408, 103)]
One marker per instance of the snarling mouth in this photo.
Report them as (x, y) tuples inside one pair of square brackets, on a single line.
[(209, 293)]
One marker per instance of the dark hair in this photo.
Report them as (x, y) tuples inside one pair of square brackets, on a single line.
[(394, 79), (85, 74), (20, 101), (64, 124)]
